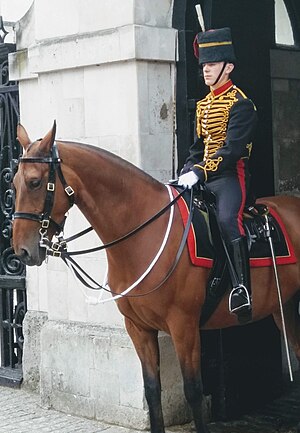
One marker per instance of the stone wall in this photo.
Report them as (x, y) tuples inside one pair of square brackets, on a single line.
[(285, 70)]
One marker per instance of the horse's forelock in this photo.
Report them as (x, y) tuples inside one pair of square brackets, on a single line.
[(34, 150)]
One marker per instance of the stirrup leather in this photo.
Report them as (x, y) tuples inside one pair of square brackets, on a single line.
[(245, 301)]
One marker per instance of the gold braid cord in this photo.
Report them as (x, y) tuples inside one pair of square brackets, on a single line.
[(210, 165), (213, 164), (198, 117), (212, 115), (249, 147)]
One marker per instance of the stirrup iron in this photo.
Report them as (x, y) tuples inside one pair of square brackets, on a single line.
[(244, 301)]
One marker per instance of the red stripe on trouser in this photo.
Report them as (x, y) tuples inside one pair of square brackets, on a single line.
[(241, 177)]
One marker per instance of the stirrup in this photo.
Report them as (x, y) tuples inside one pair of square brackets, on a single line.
[(240, 296)]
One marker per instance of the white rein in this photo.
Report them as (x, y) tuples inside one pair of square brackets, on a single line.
[(94, 301)]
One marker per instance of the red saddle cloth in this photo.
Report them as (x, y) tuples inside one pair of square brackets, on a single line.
[(202, 254)]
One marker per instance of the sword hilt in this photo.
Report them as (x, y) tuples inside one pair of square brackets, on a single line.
[(267, 227)]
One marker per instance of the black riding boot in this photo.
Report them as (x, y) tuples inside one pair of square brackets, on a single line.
[(240, 296)]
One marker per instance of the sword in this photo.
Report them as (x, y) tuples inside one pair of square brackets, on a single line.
[(268, 235)]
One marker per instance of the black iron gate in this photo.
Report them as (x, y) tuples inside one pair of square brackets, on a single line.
[(12, 272)]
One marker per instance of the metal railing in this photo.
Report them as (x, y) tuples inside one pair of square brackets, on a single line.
[(12, 271)]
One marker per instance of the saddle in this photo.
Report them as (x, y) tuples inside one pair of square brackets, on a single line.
[(204, 239), (206, 248)]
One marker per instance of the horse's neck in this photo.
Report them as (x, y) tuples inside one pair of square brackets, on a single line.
[(113, 195)]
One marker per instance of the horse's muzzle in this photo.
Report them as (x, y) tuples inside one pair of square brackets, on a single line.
[(30, 259)]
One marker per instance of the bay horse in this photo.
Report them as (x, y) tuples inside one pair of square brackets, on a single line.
[(116, 197)]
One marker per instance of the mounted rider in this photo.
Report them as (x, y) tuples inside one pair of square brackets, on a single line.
[(219, 156)]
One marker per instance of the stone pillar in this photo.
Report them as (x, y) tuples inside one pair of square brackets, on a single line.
[(106, 74)]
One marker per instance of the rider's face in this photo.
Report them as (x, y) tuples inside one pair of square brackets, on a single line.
[(211, 72)]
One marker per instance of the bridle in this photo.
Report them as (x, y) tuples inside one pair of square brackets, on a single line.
[(44, 218), (59, 249)]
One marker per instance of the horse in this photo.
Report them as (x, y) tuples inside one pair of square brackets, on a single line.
[(116, 197)]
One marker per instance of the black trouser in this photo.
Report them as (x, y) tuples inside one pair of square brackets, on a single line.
[(230, 190)]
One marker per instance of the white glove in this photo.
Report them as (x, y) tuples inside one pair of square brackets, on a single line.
[(188, 179)]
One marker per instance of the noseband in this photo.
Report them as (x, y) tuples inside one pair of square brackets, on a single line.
[(45, 218)]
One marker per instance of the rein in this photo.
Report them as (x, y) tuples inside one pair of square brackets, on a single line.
[(125, 292), (59, 249)]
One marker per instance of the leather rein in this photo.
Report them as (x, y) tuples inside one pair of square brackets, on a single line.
[(59, 248)]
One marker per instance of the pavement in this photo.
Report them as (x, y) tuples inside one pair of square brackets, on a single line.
[(21, 412)]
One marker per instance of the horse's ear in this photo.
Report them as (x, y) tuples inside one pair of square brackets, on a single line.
[(47, 142), (22, 136)]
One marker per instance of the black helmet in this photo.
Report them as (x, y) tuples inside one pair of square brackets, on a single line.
[(214, 46)]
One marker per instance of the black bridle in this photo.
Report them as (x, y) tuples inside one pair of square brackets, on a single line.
[(44, 218), (59, 249)]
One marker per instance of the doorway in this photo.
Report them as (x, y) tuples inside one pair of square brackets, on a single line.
[(241, 366)]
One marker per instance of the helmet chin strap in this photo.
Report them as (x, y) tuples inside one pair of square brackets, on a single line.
[(220, 74)]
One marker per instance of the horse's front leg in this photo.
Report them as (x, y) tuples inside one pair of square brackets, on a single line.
[(146, 345), (186, 339)]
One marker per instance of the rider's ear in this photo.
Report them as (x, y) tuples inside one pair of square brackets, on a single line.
[(22, 136), (47, 142)]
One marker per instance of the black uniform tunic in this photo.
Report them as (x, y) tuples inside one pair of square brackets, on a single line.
[(225, 120)]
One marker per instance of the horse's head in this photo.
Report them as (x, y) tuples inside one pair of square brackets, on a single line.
[(41, 202)]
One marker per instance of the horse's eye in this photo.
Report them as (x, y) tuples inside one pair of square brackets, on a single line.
[(35, 183)]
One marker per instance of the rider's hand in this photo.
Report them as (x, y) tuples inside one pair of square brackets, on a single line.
[(188, 179)]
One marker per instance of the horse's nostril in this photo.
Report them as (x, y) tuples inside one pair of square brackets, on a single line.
[(30, 258), (23, 254)]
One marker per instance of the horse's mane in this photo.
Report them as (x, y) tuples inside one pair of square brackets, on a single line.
[(114, 159)]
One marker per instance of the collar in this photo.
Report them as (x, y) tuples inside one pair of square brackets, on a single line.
[(221, 89)]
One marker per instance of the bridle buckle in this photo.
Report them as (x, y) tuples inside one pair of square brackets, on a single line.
[(45, 224), (55, 246), (69, 190), (50, 186)]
